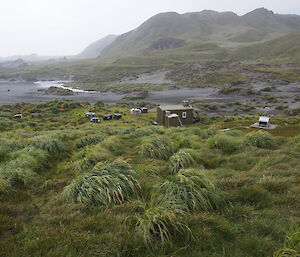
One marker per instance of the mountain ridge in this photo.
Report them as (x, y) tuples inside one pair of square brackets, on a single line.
[(256, 26)]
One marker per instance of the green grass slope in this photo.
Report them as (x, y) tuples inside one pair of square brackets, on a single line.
[(127, 188), (95, 49), (205, 26), (284, 49)]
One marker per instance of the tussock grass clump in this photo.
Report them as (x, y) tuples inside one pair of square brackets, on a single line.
[(106, 184), (235, 133), (159, 223), (93, 157), (15, 175), (182, 159), (24, 166), (260, 139), (29, 158), (4, 185), (147, 131), (21, 170), (6, 124), (195, 190), (254, 195), (204, 133), (4, 148), (51, 145), (158, 148), (88, 140), (113, 144), (292, 244), (228, 144)]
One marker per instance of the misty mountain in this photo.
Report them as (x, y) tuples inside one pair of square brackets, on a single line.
[(95, 49), (223, 28)]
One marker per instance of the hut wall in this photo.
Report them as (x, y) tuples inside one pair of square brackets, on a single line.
[(160, 116)]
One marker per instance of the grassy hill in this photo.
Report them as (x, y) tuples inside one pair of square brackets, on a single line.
[(283, 49), (95, 49), (224, 28), (127, 188)]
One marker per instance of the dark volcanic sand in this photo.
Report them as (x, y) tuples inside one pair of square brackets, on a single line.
[(28, 92)]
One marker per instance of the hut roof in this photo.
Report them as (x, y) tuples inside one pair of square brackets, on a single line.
[(264, 119), (175, 107)]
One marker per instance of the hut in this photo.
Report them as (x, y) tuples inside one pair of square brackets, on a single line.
[(144, 110), (90, 115), (135, 111), (18, 116), (264, 121), (184, 114), (107, 117), (95, 120), (117, 116)]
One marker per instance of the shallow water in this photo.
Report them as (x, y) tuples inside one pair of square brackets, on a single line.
[(28, 92), (14, 92)]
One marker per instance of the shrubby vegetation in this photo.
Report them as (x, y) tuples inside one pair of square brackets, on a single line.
[(126, 188)]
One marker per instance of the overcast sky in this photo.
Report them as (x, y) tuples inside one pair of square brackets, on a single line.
[(66, 27)]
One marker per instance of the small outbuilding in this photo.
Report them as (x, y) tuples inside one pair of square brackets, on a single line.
[(90, 115), (144, 110), (184, 115), (264, 122), (95, 120), (135, 111), (18, 116), (172, 120), (117, 116), (107, 117)]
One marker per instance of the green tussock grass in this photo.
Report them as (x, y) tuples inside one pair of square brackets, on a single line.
[(261, 140), (182, 159), (128, 188), (194, 189), (158, 148), (51, 145), (228, 144), (108, 183), (158, 223), (88, 140), (291, 245)]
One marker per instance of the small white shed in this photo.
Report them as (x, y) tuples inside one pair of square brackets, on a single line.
[(264, 121), (135, 111)]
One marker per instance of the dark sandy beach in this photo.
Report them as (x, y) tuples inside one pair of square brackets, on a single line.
[(13, 92)]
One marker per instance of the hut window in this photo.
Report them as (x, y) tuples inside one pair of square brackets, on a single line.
[(184, 115)]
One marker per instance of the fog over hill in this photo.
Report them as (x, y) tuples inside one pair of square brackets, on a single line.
[(223, 28), (95, 49), (172, 30)]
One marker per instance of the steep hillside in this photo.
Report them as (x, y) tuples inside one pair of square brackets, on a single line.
[(223, 28), (283, 49), (159, 26), (95, 49)]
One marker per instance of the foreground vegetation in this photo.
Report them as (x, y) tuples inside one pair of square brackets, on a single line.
[(127, 188)]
